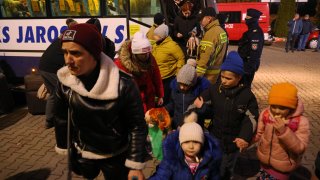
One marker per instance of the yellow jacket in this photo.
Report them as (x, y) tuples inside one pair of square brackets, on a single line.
[(150, 34), (212, 49), (169, 56)]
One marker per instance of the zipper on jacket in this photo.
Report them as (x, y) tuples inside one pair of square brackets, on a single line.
[(270, 150), (71, 120)]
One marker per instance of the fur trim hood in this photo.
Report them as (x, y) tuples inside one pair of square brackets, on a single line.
[(125, 57), (106, 87)]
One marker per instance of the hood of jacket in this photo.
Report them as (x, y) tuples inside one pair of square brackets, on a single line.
[(298, 111), (196, 90), (106, 87), (173, 151), (125, 57)]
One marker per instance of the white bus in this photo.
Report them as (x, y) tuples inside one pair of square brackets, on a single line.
[(27, 27)]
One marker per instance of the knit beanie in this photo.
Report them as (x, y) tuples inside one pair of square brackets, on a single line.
[(158, 19), (191, 131), (162, 31), (233, 63), (140, 44), (86, 35), (284, 94), (192, 62), (187, 75)]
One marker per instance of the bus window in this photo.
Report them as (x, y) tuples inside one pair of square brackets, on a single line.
[(75, 8), (232, 16), (144, 10), (116, 7), (23, 8)]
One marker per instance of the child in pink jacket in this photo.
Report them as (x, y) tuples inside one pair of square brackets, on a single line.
[(282, 134)]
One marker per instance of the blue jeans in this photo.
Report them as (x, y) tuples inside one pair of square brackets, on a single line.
[(303, 41), (291, 40), (50, 81)]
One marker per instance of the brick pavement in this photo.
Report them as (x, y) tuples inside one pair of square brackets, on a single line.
[(27, 149)]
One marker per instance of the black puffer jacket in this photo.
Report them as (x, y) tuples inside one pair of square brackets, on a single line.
[(235, 113), (107, 120)]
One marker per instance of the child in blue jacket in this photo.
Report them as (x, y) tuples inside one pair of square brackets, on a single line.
[(184, 90), (189, 153)]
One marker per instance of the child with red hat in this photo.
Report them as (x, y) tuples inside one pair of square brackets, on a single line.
[(283, 133)]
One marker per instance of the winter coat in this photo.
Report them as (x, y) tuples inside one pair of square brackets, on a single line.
[(174, 167), (169, 57), (295, 26), (250, 48), (282, 152), (107, 120), (234, 114), (149, 82), (180, 101), (185, 25), (212, 50)]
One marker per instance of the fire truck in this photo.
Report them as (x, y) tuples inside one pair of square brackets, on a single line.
[(236, 13)]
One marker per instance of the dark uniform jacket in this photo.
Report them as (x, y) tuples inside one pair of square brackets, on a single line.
[(250, 48), (234, 114), (107, 120)]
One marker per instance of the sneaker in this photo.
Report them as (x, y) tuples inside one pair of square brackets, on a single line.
[(287, 50), (49, 124), (316, 50)]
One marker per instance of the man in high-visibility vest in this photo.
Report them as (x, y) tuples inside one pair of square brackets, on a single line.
[(212, 47)]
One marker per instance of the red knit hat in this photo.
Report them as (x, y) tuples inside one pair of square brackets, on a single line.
[(86, 35)]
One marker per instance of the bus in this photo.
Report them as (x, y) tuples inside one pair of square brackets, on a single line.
[(27, 27)]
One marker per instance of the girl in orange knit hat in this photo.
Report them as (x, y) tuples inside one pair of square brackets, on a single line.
[(282, 134)]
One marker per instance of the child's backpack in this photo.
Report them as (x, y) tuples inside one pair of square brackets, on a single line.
[(293, 121)]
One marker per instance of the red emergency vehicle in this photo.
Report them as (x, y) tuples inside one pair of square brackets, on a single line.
[(236, 13)]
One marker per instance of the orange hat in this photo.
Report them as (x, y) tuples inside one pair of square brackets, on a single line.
[(283, 94)]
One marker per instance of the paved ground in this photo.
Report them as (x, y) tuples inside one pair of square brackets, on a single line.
[(27, 149)]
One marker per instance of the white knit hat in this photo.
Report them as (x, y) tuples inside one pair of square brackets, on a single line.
[(162, 31), (191, 131), (140, 43)]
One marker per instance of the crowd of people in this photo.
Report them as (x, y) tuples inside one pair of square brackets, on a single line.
[(99, 103)]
